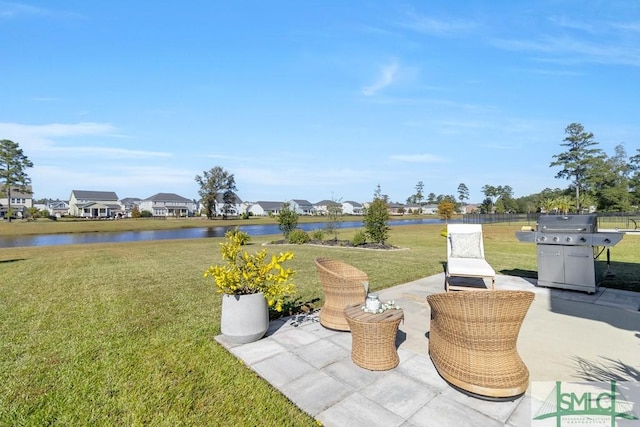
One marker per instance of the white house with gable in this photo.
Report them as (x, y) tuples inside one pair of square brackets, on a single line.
[(168, 204), (264, 208), (302, 207), (352, 208), (94, 204)]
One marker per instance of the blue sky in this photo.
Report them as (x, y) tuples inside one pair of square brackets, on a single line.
[(313, 99)]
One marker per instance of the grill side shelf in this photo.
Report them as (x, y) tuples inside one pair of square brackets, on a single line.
[(526, 236)]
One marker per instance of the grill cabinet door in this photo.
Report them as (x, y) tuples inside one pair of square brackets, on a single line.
[(579, 268), (550, 264)]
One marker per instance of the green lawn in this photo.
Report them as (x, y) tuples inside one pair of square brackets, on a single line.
[(122, 334)]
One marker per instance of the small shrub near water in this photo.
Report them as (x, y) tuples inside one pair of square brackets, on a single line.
[(298, 236), (360, 238), (243, 237), (318, 235)]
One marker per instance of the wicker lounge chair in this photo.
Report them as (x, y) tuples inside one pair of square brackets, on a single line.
[(472, 341), (342, 284), (465, 257)]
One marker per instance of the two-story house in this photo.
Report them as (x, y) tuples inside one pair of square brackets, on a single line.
[(352, 208), (168, 204), (19, 202), (128, 203), (94, 204), (233, 207), (302, 207)]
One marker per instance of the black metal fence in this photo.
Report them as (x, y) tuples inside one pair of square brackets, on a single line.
[(606, 220), (499, 218)]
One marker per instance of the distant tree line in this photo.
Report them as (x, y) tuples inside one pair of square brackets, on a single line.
[(607, 183)]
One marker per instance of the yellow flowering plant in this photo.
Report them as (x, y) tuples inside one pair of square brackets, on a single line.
[(246, 273)]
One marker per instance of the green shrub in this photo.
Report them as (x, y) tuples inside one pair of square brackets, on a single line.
[(360, 238), (241, 236), (375, 221), (146, 214), (287, 219), (298, 236), (317, 235)]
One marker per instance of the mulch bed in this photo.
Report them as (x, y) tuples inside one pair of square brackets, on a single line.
[(340, 243)]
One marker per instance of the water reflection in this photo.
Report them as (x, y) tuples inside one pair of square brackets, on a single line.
[(180, 233)]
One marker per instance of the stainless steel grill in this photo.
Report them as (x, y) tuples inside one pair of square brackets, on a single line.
[(568, 246)]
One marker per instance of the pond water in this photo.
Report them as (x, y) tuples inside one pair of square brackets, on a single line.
[(181, 233)]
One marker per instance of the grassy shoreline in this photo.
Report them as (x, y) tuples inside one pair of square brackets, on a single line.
[(122, 333)]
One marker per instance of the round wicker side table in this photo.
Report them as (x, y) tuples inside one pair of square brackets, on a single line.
[(373, 337)]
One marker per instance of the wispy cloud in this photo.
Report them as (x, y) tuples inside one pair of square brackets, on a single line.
[(112, 178), (108, 152), (10, 10), (230, 157), (418, 158), (386, 77), (570, 50), (58, 129), (571, 24), (496, 146), (437, 27), (627, 26), (44, 139)]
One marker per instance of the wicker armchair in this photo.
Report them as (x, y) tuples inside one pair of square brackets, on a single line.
[(472, 341), (342, 284)]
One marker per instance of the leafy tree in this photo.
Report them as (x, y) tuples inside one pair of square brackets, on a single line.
[(446, 209), (634, 180), (486, 206), (135, 212), (548, 205), (490, 193), (610, 181), (33, 213), (228, 198), (419, 192), (576, 161), (493, 194), (375, 221), (418, 197), (214, 183), (431, 198), (463, 192), (564, 204), (334, 217), (377, 193), (376, 218), (287, 219), (505, 191), (13, 163)]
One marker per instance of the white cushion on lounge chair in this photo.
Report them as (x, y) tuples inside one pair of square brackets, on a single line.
[(465, 255), (470, 267)]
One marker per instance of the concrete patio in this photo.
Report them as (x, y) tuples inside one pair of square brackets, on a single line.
[(566, 336)]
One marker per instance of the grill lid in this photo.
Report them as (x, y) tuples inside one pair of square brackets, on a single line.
[(567, 223)]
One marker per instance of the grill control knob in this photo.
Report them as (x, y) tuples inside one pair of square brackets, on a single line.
[(555, 239), (568, 239), (607, 240), (543, 238), (583, 240)]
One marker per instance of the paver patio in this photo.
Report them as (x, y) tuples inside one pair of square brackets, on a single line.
[(566, 336)]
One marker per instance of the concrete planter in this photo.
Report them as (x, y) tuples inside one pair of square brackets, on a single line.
[(245, 318)]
